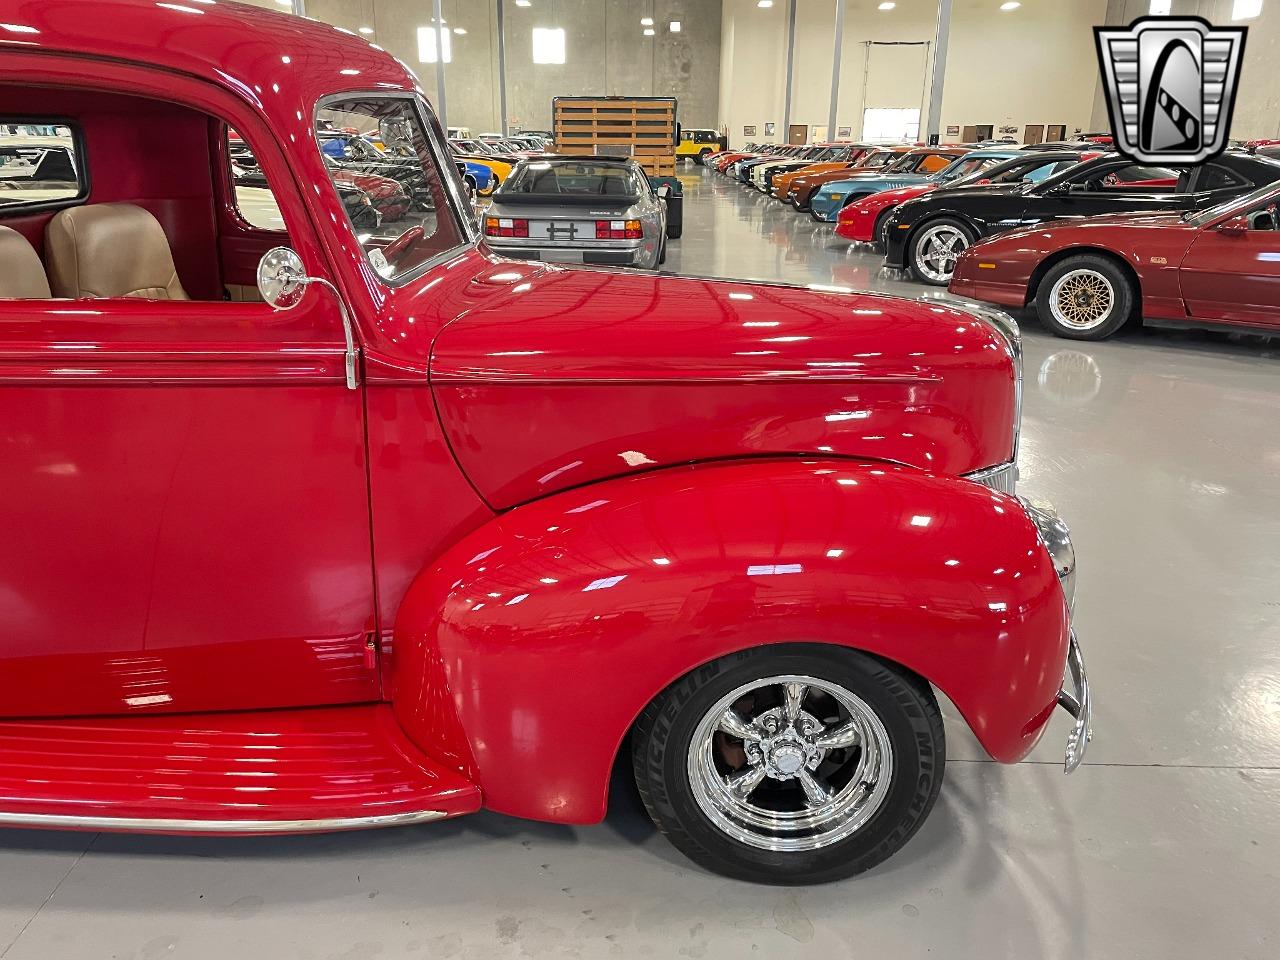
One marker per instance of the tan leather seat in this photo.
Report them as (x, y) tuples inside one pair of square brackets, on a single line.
[(110, 250), (21, 272)]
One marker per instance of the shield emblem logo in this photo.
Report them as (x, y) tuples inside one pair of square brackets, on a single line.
[(1171, 86)]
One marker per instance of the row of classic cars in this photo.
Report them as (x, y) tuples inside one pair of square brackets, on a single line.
[(497, 524), (933, 225)]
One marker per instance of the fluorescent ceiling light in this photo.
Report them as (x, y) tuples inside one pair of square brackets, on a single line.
[(764, 4), (1246, 9), (887, 6), (367, 31), (646, 21), (427, 44), (460, 31), (285, 3), (675, 26), (1011, 5), (548, 45), (1160, 8), (648, 31), (523, 3)]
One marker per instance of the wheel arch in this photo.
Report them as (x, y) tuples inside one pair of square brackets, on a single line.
[(526, 653), (1048, 263)]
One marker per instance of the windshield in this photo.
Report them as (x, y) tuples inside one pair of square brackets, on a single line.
[(966, 166), (582, 178), (906, 163), (396, 198)]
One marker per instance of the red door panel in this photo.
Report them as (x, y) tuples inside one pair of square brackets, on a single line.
[(1233, 279), (190, 527)]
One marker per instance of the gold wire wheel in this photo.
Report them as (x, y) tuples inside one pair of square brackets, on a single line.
[(1082, 299)]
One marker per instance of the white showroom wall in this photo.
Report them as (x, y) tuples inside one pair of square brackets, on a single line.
[(1032, 65)]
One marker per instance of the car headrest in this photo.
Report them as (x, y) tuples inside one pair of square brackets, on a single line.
[(110, 250), (21, 272)]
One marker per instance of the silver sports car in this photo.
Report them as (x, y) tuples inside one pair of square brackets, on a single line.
[(579, 210)]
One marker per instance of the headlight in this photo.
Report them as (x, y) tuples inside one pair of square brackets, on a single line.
[(1056, 537)]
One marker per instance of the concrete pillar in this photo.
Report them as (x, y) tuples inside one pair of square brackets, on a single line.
[(934, 123)]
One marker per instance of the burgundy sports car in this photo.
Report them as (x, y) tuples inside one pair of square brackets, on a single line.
[(1090, 278)]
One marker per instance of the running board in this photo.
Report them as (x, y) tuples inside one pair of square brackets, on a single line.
[(270, 772)]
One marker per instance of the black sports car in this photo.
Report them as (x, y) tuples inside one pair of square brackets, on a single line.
[(927, 234)]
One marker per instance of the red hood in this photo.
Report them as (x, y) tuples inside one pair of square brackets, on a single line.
[(902, 194), (573, 375)]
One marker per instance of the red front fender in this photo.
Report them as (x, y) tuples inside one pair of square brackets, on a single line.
[(526, 652)]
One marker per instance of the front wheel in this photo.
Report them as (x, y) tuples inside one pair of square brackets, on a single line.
[(791, 765), (1085, 298), (935, 248)]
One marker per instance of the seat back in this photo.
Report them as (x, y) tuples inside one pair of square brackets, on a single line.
[(21, 272), (110, 250)]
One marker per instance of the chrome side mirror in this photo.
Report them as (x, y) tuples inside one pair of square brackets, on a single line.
[(282, 280)]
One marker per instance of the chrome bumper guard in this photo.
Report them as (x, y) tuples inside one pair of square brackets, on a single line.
[(1077, 703)]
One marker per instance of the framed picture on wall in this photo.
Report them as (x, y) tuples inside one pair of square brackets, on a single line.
[(953, 131), (844, 133), (749, 130), (770, 129)]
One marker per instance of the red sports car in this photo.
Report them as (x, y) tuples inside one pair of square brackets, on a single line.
[(1088, 279)]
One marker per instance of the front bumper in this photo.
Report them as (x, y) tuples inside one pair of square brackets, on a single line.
[(825, 206), (1073, 695), (1076, 702)]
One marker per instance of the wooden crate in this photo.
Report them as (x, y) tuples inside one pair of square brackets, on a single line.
[(643, 126)]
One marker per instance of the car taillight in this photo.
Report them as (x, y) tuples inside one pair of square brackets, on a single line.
[(506, 227), (618, 230)]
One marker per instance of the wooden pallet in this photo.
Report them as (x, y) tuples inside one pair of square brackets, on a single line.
[(643, 127)]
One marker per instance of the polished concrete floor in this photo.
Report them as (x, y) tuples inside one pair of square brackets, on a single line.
[(1162, 450)]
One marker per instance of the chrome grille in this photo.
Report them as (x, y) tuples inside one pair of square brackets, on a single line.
[(1002, 478)]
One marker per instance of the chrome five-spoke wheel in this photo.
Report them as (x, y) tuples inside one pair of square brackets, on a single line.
[(790, 763), (936, 249)]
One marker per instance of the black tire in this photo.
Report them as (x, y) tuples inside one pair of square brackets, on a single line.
[(662, 253), (1103, 301), (904, 705), (675, 216), (702, 155), (877, 232), (923, 235)]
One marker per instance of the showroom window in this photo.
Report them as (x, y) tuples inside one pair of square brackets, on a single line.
[(548, 45), (381, 162), (41, 164), (890, 124)]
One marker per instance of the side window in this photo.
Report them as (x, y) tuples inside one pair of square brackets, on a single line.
[(1215, 177), (1136, 178), (40, 164), (254, 200), (385, 172)]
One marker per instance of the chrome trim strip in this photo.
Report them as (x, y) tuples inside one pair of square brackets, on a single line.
[(182, 826), (1077, 703), (1003, 477)]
